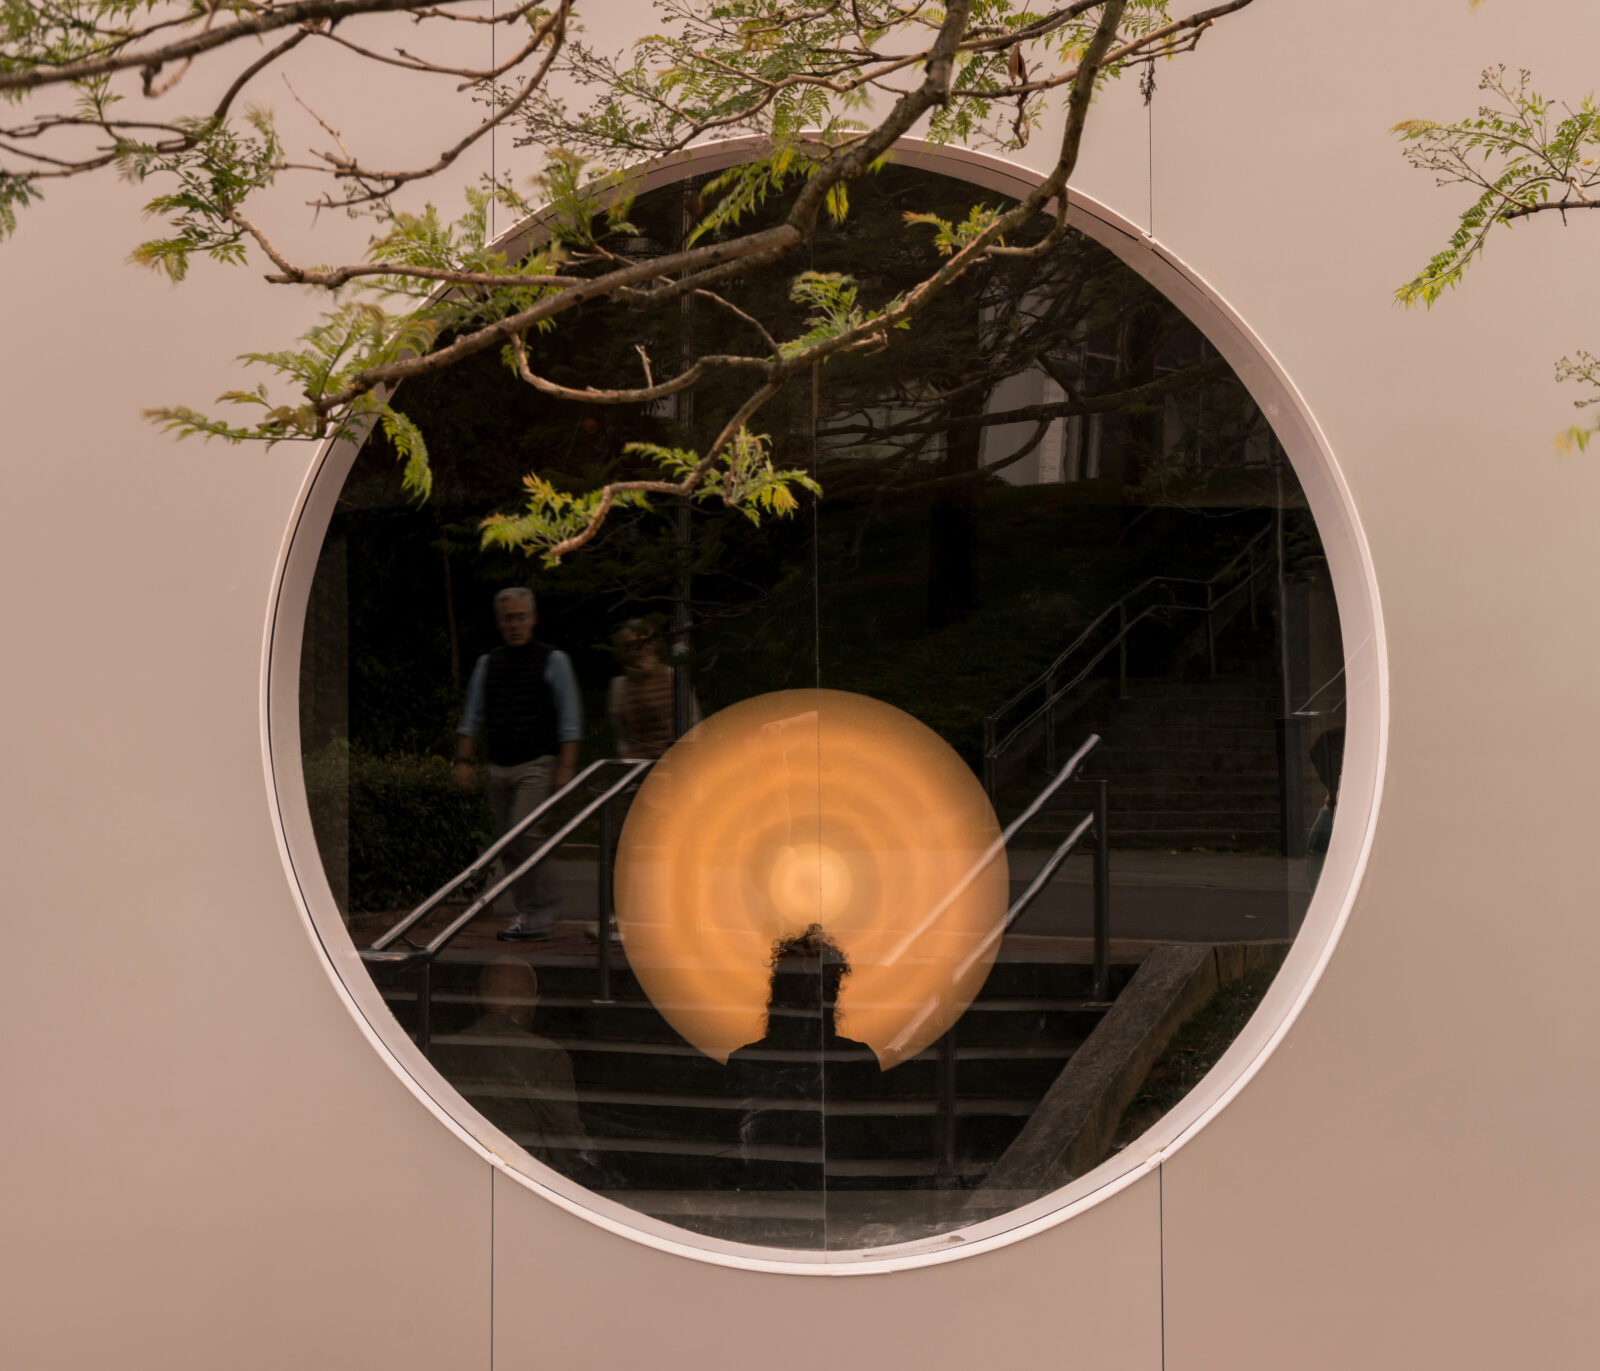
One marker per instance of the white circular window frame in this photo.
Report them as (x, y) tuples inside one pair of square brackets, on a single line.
[(1360, 621)]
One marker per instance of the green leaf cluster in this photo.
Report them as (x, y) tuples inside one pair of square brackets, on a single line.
[(742, 478), (216, 170), (1583, 367), (949, 237), (1518, 152), (550, 517), (831, 297), (16, 192)]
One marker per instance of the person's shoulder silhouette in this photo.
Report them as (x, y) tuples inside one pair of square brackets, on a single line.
[(807, 970)]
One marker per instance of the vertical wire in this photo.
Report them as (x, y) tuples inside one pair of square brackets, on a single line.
[(1161, 1244), (1147, 88), (492, 1198), (816, 663), (494, 133)]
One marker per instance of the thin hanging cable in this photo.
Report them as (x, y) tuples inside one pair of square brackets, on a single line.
[(816, 661), (494, 133), (1147, 88)]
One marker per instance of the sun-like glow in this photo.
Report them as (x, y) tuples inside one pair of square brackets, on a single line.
[(809, 883), (802, 807)]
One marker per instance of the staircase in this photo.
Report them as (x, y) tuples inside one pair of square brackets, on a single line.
[(711, 1146), (1194, 764)]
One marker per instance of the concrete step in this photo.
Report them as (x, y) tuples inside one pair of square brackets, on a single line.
[(1245, 686), (1197, 800), (1138, 734), (1134, 759), (982, 1069), (990, 1021), (571, 980), (659, 1114)]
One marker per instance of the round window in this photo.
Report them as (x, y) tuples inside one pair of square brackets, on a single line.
[(843, 879)]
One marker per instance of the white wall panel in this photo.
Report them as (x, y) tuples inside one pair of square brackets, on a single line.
[(207, 1161), (1407, 1181), (1087, 1293)]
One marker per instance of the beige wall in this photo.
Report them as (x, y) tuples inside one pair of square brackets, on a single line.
[(210, 1163)]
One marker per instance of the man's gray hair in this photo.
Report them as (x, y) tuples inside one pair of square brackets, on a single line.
[(514, 593)]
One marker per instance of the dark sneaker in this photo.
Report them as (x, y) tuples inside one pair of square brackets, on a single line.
[(518, 932)]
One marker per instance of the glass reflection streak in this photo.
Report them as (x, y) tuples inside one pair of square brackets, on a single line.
[(810, 807)]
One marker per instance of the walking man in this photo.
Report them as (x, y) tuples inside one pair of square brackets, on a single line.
[(524, 696)]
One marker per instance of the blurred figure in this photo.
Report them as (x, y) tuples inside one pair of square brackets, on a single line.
[(786, 1068), (525, 696), (640, 699), (1327, 758), (520, 1082)]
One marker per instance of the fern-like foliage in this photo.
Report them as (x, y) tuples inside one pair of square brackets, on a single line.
[(950, 237), (218, 169), (1525, 155), (831, 297), (1584, 368), (16, 192), (1521, 153), (742, 478)]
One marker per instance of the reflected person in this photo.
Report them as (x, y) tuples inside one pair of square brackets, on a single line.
[(784, 1071), (524, 695), (1327, 759), (640, 700), (521, 1082)]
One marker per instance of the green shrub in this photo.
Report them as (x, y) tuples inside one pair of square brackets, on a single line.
[(391, 830)]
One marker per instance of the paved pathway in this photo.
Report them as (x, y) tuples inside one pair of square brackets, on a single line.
[(1155, 897)]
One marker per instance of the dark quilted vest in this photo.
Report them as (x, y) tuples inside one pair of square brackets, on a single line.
[(519, 710)]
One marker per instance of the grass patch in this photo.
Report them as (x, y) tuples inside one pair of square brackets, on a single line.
[(1193, 1051)]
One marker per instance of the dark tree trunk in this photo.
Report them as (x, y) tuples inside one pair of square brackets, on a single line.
[(953, 525)]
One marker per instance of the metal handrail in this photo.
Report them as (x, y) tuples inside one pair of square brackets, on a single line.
[(380, 952), (1097, 819), (1102, 912), (1306, 712), (995, 747), (488, 855)]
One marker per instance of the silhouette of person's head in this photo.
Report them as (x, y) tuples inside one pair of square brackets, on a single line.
[(510, 987), (807, 971), (637, 646)]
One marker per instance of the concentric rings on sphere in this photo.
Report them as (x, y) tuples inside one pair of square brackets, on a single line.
[(812, 807)]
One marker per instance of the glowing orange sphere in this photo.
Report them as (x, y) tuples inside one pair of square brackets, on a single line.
[(812, 807)]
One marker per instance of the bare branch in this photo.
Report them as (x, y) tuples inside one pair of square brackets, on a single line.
[(259, 65), (264, 20), (379, 185), (651, 392)]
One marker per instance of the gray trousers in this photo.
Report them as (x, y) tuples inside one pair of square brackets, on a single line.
[(514, 791)]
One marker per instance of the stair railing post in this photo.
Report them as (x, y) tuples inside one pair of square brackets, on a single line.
[(425, 1006), (988, 758), (946, 1142), (1291, 788), (1102, 892), (603, 902), (1122, 649), (1211, 627), (1050, 721)]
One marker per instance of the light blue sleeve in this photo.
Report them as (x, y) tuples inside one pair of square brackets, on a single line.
[(564, 690), (471, 722)]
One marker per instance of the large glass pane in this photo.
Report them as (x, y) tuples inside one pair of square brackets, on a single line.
[(927, 815)]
